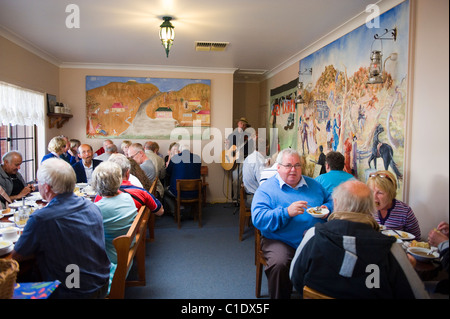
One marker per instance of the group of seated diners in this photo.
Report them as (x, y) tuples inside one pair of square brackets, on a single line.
[(335, 254), (343, 254)]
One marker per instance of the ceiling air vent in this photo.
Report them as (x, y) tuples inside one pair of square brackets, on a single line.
[(210, 46)]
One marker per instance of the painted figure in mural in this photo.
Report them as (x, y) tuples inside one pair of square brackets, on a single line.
[(311, 135), (347, 153), (361, 118), (336, 129), (329, 134), (304, 135), (384, 151), (355, 156)]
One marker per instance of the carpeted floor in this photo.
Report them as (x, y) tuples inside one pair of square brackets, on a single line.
[(200, 263)]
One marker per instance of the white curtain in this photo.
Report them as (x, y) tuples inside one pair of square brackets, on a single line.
[(20, 106)]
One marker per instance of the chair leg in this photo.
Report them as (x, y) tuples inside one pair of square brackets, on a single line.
[(151, 228), (259, 267), (241, 224), (178, 215), (199, 214)]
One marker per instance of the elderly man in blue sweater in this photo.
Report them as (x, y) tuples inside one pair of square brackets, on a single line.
[(279, 212)]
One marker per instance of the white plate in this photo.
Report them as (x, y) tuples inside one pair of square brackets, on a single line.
[(421, 254), (6, 224), (15, 205), (399, 234), (323, 212), (81, 185), (6, 246), (35, 196)]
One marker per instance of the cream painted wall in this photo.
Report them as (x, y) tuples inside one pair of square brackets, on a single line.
[(27, 70), (73, 91), (246, 102), (428, 172)]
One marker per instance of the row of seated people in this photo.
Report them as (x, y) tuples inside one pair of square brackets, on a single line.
[(278, 209), (71, 230)]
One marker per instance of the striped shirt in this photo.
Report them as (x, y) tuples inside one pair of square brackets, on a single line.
[(400, 217)]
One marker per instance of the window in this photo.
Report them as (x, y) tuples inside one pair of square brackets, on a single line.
[(23, 139), (20, 111)]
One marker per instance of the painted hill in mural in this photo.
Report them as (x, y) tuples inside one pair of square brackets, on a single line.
[(140, 110)]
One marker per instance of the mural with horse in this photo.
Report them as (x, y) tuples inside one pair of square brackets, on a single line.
[(342, 112)]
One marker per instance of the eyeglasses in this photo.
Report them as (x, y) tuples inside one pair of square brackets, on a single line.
[(382, 176), (289, 166), (132, 156)]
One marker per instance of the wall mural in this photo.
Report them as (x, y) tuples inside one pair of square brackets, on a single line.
[(135, 108), (365, 122), (283, 115)]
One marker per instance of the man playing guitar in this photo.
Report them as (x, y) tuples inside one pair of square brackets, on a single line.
[(237, 146)]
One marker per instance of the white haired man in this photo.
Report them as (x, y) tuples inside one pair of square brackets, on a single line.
[(12, 184), (279, 212), (349, 258), (68, 231)]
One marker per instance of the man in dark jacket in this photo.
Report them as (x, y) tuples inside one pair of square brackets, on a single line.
[(84, 168), (348, 257), (184, 165)]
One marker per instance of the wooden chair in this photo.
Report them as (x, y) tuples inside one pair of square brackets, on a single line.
[(129, 246), (244, 213), (203, 174), (309, 293), (151, 222), (260, 261), (184, 185)]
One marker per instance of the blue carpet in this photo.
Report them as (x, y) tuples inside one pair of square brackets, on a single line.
[(200, 263)]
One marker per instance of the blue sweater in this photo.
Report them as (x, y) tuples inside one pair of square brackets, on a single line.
[(270, 204), (332, 179)]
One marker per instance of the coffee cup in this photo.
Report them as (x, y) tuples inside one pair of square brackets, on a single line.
[(10, 233)]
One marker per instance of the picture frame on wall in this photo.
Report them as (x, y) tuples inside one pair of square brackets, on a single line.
[(51, 102)]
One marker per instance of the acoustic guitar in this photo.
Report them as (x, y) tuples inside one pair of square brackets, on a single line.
[(230, 155), (229, 158)]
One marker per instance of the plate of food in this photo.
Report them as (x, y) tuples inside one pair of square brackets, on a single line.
[(6, 246), (6, 212), (423, 254), (317, 212), (399, 234)]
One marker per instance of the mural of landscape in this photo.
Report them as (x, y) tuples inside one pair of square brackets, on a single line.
[(365, 122), (146, 108)]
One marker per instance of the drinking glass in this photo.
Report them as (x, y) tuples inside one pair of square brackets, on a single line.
[(21, 216)]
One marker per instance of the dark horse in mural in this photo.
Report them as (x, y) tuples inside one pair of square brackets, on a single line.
[(384, 151)]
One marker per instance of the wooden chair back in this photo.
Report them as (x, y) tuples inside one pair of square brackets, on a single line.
[(244, 212), (205, 184), (260, 261), (152, 189), (129, 246), (309, 293), (186, 185), (151, 222)]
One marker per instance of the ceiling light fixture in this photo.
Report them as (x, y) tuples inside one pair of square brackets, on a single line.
[(167, 34)]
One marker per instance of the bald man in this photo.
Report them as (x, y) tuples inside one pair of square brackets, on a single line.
[(348, 257)]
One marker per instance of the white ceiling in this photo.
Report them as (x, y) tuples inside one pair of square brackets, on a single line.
[(263, 34)]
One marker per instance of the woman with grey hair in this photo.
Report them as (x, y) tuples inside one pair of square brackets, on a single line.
[(125, 165), (349, 258), (118, 209)]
